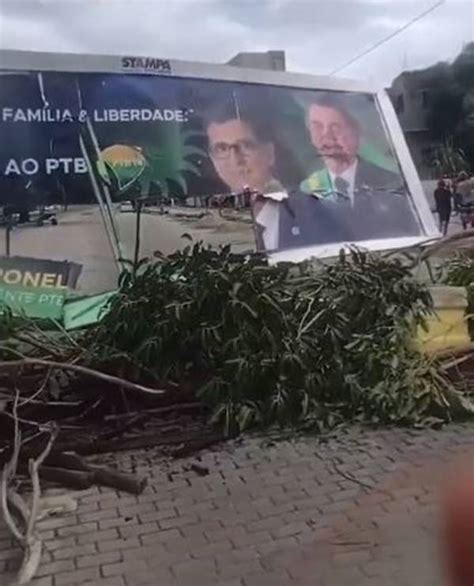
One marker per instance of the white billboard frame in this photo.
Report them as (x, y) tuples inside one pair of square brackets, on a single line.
[(12, 61)]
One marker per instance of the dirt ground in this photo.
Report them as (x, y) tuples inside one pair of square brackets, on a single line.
[(80, 237)]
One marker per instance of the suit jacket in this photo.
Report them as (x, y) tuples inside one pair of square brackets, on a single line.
[(368, 175), (373, 177), (305, 220)]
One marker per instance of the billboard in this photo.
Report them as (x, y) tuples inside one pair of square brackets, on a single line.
[(318, 163)]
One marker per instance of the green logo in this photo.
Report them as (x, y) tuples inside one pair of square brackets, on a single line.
[(121, 165)]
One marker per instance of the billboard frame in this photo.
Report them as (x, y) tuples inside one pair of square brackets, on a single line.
[(12, 61)]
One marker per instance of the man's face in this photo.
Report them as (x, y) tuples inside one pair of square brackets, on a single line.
[(335, 138), (239, 158)]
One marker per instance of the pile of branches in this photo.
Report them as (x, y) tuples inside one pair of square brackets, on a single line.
[(263, 345), (47, 381), (206, 333), (94, 413), (54, 412)]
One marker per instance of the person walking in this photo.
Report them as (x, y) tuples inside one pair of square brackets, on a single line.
[(465, 187), (442, 196)]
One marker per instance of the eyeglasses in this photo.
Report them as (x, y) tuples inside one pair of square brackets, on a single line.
[(222, 150)]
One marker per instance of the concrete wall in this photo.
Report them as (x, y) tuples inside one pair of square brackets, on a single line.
[(421, 148), (273, 60), (429, 186), (413, 115)]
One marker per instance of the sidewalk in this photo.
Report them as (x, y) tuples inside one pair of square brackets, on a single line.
[(359, 509)]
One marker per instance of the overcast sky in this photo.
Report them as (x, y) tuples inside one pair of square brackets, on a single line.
[(317, 35)]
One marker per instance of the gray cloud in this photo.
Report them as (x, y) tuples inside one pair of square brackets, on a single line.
[(318, 35)]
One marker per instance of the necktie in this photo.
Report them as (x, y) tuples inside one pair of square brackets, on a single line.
[(342, 189)]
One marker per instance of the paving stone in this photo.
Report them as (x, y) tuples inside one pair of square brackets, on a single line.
[(119, 544), (77, 577), (281, 514), (44, 581), (127, 567), (98, 559), (97, 536), (74, 551)]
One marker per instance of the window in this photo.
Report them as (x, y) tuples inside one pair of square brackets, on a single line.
[(424, 99), (400, 104), (427, 155)]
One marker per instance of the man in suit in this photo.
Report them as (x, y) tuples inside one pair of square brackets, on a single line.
[(368, 202), (242, 150), (240, 147)]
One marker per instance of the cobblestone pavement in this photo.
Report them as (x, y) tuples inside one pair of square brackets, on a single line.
[(357, 509)]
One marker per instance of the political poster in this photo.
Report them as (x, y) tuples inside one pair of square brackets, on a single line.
[(34, 272), (36, 287), (306, 167)]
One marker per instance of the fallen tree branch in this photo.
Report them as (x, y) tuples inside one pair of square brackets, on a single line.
[(434, 246), (27, 538), (102, 476), (77, 479), (82, 370), (350, 477), (9, 472), (114, 479), (181, 407), (32, 544), (34, 466), (70, 469), (38, 392), (456, 362), (6, 476), (453, 352), (33, 549), (37, 344)]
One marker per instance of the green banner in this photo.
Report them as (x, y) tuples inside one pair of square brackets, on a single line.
[(36, 302), (86, 311)]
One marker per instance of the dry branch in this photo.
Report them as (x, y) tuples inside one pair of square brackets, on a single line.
[(9, 472), (34, 466), (108, 378), (434, 246), (31, 542), (27, 537), (76, 479), (86, 476)]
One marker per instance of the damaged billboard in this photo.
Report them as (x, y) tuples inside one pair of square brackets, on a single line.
[(301, 165)]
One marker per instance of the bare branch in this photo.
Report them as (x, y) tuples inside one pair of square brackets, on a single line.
[(6, 511), (31, 542), (19, 504), (37, 344), (9, 472), (39, 391), (17, 435), (42, 426), (434, 246), (31, 561), (34, 467), (82, 370)]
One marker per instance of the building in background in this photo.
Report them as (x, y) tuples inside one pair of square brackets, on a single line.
[(273, 60), (410, 93)]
